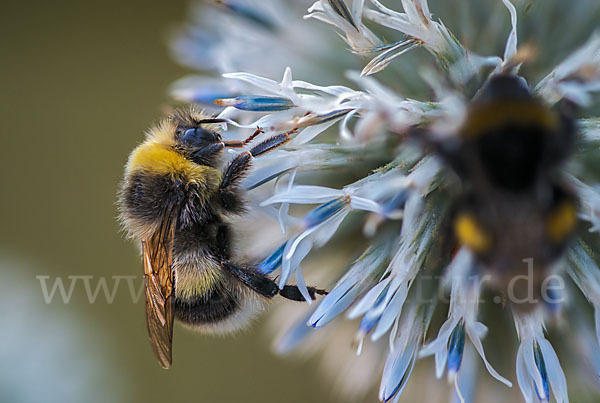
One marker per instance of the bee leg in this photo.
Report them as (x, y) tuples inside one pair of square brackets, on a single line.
[(266, 287), (271, 143), (229, 193), (240, 164), (236, 171), (237, 144), (237, 168), (207, 155), (254, 280), (292, 292)]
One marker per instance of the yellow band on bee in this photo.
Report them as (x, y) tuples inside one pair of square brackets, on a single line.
[(495, 114), (161, 159), (197, 278), (561, 222), (470, 234)]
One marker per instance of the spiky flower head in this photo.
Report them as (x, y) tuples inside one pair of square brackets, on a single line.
[(366, 208)]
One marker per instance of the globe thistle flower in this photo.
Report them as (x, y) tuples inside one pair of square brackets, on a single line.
[(350, 81)]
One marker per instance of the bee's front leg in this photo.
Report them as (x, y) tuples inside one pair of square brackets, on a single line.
[(208, 155), (237, 169), (230, 194)]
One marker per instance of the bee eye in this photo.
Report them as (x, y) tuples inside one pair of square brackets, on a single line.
[(198, 136)]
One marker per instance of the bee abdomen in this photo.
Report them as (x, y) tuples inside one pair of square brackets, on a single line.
[(214, 307), (224, 308)]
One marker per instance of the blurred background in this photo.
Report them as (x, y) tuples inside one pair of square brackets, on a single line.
[(81, 82)]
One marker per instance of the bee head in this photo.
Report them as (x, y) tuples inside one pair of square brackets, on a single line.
[(199, 144), (195, 138)]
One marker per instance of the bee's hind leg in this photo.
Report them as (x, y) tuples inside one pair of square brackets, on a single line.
[(266, 287), (292, 292), (254, 280)]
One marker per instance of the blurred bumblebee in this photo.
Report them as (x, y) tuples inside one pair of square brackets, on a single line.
[(516, 212), (176, 201)]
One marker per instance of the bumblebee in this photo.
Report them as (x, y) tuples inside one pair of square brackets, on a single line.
[(177, 201), (516, 212)]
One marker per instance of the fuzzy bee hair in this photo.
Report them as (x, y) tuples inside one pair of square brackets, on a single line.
[(177, 201)]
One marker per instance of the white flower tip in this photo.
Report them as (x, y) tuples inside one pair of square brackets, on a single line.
[(358, 342), (451, 377)]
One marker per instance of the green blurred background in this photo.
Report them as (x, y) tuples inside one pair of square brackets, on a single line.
[(81, 81)]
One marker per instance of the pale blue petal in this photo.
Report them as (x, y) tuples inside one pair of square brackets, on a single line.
[(511, 44), (325, 231), (441, 341), (361, 203), (439, 346), (303, 194), (336, 90), (264, 174), (289, 264), (345, 133), (556, 376), (293, 244), (392, 312), (368, 300), (543, 392), (261, 83), (532, 369), (523, 376), (467, 378), (441, 357), (597, 322), (476, 331), (334, 309), (311, 132), (398, 369), (349, 287), (282, 216), (302, 285), (324, 212), (332, 301)]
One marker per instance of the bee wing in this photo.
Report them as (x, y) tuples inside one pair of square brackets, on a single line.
[(158, 287)]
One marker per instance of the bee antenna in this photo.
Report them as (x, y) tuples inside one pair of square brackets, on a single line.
[(212, 120)]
